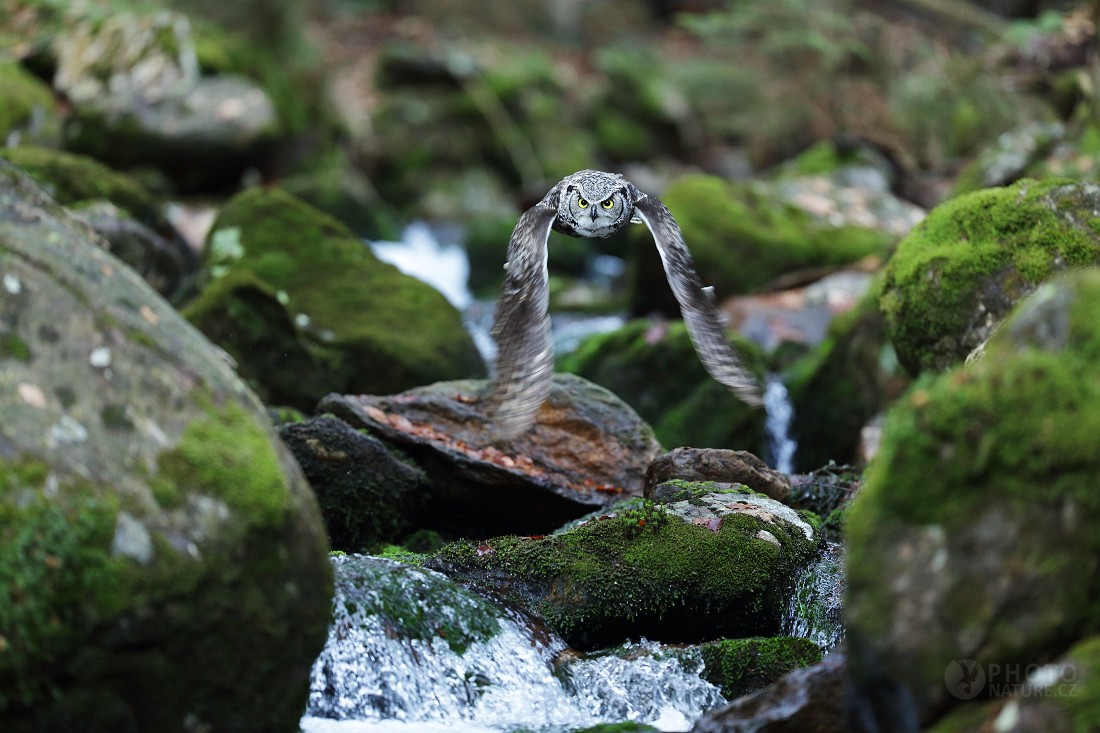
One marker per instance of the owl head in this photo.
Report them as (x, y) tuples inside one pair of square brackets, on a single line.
[(594, 204)]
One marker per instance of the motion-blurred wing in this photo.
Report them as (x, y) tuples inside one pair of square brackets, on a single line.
[(524, 366), (701, 316)]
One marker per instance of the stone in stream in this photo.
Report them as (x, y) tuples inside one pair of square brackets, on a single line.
[(586, 450)]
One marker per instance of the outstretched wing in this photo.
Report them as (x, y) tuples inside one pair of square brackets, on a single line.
[(524, 366), (701, 316)]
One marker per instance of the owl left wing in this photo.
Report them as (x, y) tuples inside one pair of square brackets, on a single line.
[(524, 367), (701, 315)]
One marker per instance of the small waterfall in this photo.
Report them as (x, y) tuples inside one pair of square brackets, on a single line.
[(779, 416), (814, 611), (410, 650)]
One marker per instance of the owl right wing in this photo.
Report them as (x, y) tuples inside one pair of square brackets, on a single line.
[(524, 367), (704, 321)]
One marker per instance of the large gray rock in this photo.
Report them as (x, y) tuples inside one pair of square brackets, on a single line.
[(161, 556)]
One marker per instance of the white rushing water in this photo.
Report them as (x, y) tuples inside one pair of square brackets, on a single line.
[(779, 416), (387, 667)]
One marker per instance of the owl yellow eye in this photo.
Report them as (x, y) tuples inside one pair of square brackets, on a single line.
[(581, 202), (607, 203)]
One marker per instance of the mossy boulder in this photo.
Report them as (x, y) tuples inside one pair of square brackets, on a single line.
[(28, 111), (974, 536), (305, 308), (741, 236), (840, 386), (956, 276), (162, 557), (719, 565), (115, 206), (739, 666), (654, 368)]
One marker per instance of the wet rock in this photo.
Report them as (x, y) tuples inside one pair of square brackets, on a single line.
[(956, 276), (653, 367), (156, 535), (808, 700), (973, 538), (138, 99), (585, 450), (118, 208), (712, 464), (367, 493), (305, 308), (716, 564)]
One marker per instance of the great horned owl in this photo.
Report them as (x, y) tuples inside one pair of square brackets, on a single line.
[(591, 203)]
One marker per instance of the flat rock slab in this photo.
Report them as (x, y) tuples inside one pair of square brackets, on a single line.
[(586, 450)]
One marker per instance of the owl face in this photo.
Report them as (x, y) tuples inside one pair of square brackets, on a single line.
[(594, 205)]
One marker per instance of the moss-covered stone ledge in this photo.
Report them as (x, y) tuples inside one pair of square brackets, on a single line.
[(960, 271), (739, 666), (645, 570)]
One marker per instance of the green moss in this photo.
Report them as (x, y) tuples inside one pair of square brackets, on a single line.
[(27, 106), (739, 666), (54, 557), (14, 347), (1081, 699), (974, 257), (229, 456), (1004, 440), (616, 575), (72, 178), (627, 727), (854, 366)]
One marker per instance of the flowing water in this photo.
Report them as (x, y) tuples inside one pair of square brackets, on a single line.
[(410, 650), (814, 611)]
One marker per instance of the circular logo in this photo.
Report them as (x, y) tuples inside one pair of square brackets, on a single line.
[(964, 678)]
